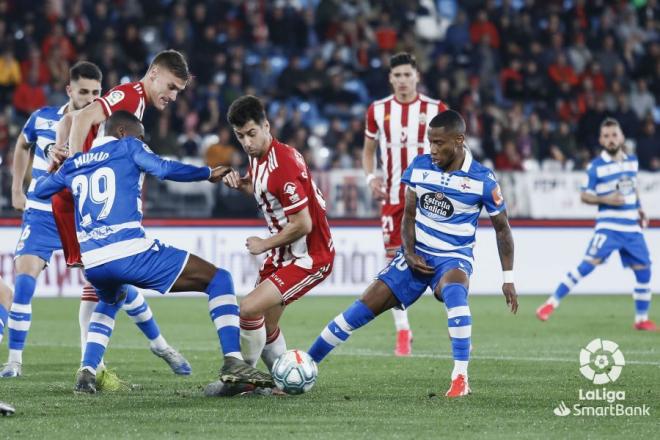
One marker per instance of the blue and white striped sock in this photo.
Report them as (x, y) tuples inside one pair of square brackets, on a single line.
[(642, 294), (139, 311), (572, 278), (340, 329), (4, 315), (98, 335), (20, 316), (459, 322), (224, 313)]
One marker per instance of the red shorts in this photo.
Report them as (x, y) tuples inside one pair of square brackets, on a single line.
[(65, 219), (391, 216), (294, 281)]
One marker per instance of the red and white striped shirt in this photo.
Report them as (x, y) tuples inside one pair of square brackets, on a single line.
[(129, 97), (282, 187), (401, 132)]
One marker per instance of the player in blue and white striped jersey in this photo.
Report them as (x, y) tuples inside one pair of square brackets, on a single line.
[(446, 191), (39, 235), (106, 184), (612, 186)]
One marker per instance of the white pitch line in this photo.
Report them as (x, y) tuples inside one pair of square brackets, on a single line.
[(374, 353)]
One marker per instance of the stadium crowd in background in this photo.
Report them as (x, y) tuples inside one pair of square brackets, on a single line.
[(533, 79)]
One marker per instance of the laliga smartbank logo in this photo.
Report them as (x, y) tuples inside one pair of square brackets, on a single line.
[(601, 362)]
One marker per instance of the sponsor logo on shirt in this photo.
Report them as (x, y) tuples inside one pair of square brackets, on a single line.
[(436, 206)]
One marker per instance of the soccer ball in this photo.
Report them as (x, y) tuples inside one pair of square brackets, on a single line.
[(294, 372)]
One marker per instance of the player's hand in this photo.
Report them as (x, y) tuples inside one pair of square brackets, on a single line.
[(418, 264), (509, 291), (643, 219), (255, 245), (18, 200), (57, 154), (218, 173), (614, 199), (377, 188), (234, 180)]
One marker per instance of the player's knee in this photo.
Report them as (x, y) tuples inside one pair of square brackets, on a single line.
[(249, 309), (642, 274), (220, 282)]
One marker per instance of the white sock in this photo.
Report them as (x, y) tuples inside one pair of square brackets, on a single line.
[(274, 348), (552, 300), (159, 344), (16, 356), (84, 316), (400, 319), (253, 339), (460, 367)]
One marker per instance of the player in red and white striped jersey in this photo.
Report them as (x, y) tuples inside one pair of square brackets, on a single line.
[(299, 250), (397, 125)]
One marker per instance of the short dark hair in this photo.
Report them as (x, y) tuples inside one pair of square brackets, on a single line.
[(244, 109), (450, 120), (85, 69), (609, 122), (174, 61), (121, 117), (402, 58)]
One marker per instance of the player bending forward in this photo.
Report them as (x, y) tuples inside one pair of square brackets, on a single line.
[(106, 186), (612, 185), (299, 250), (445, 193)]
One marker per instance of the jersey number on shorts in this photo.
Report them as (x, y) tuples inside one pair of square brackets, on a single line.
[(596, 243), (100, 187)]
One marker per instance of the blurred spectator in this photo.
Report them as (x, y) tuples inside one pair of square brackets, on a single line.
[(29, 96), (641, 100), (509, 159), (57, 39), (648, 146), (10, 74), (481, 28), (35, 62)]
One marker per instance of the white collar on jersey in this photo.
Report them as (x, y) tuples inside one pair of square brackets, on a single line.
[(467, 162), (607, 157), (103, 140), (61, 110)]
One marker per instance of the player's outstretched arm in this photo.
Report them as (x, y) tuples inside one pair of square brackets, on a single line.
[(299, 225), (155, 165), (19, 168), (505, 248), (82, 122), (414, 261)]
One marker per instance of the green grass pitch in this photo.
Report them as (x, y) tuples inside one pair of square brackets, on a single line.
[(520, 370)]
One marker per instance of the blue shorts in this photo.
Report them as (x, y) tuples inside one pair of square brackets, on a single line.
[(155, 269), (39, 235), (631, 246), (407, 286)]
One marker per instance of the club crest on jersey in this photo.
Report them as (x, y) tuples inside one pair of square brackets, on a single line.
[(626, 186), (114, 97), (436, 206), (290, 190), (422, 118), (404, 136), (466, 184)]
